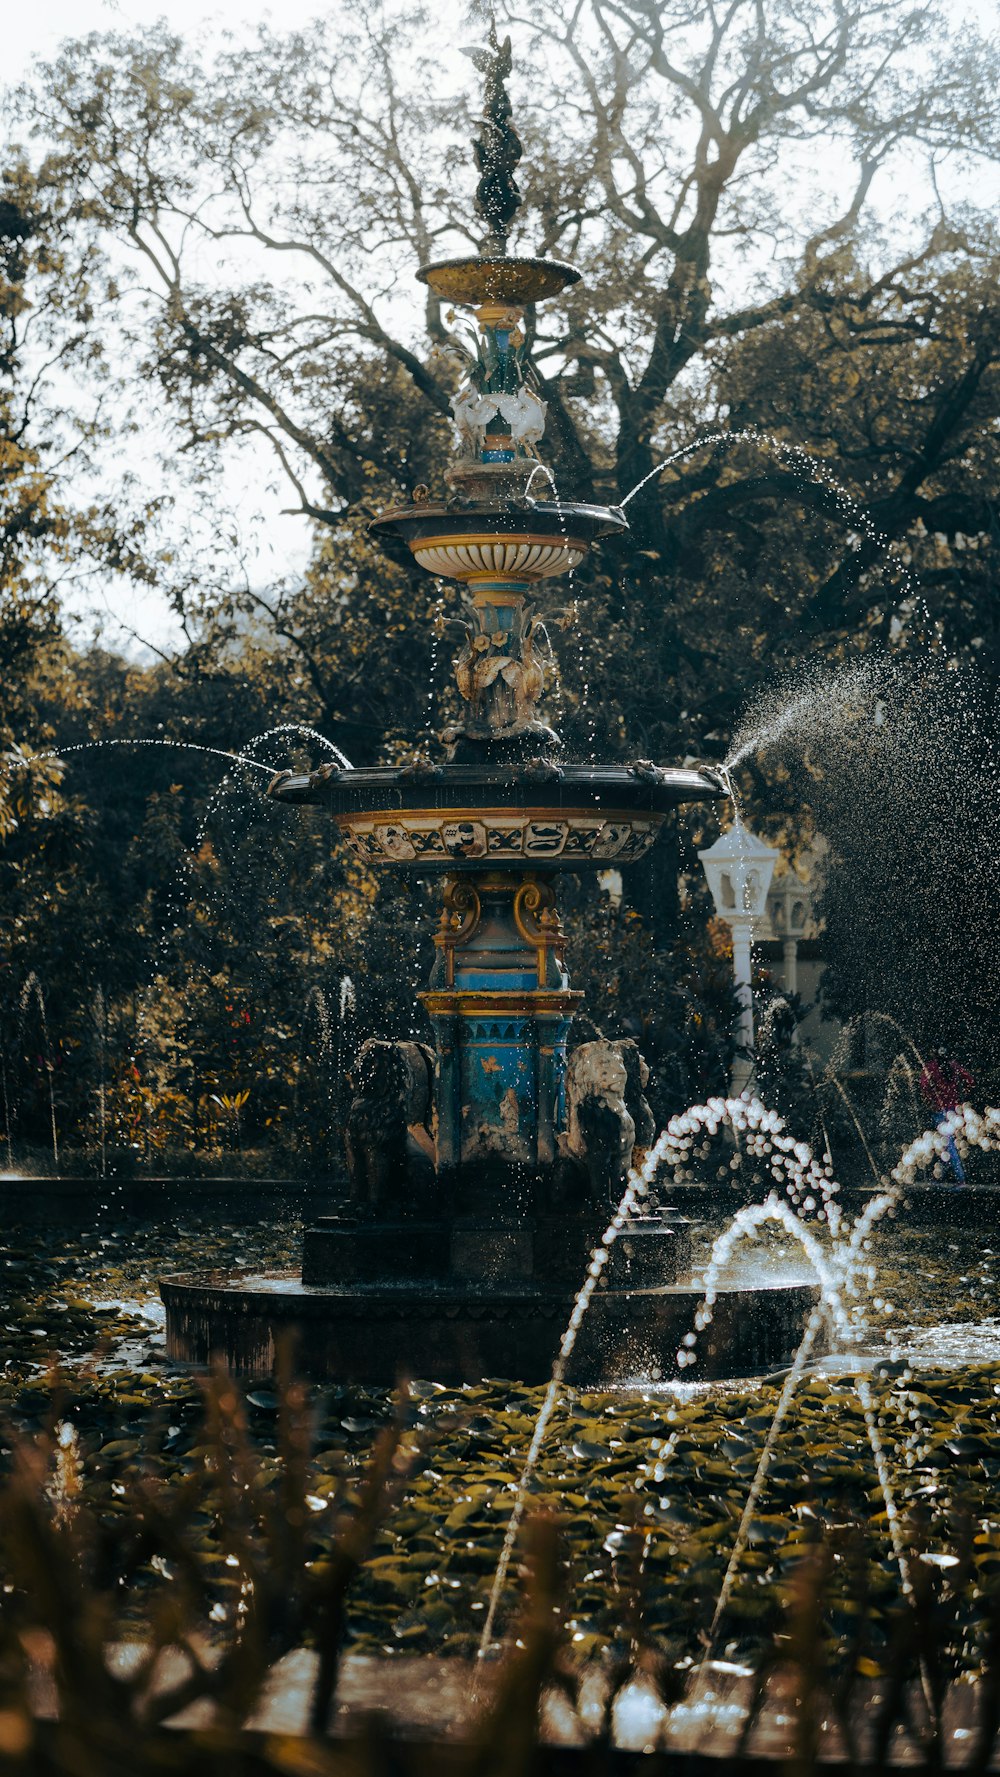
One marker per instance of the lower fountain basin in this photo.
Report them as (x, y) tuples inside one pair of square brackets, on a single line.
[(458, 1332)]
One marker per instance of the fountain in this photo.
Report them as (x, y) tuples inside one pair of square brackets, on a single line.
[(482, 1166)]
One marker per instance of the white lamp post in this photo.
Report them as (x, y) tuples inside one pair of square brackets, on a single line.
[(790, 914), (739, 867)]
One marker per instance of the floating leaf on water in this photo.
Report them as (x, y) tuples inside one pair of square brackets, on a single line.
[(461, 1513), (679, 1515), (120, 1447), (585, 1451), (868, 1668), (767, 1531)]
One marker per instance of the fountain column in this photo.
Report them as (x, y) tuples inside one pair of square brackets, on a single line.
[(500, 1006), (741, 929), (790, 964)]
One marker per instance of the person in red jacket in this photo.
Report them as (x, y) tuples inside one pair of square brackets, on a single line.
[(945, 1084)]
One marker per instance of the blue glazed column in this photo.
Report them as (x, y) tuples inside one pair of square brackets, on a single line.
[(499, 1085), (500, 1005)]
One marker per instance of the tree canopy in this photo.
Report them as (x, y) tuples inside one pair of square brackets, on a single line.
[(783, 211)]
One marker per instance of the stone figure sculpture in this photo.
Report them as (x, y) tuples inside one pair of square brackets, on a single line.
[(607, 1115), (389, 1145)]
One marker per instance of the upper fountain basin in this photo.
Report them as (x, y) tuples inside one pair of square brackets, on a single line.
[(541, 816), (473, 280), (483, 541)]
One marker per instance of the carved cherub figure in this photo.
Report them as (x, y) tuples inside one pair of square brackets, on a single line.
[(487, 673)]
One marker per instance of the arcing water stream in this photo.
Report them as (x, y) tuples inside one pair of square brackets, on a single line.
[(14, 762), (808, 1190), (33, 988), (804, 467)]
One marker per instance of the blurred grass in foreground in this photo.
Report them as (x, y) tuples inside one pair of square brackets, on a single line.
[(81, 1695)]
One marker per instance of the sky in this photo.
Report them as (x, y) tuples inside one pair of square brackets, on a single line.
[(37, 30), (136, 620)]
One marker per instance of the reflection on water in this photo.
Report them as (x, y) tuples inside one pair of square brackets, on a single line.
[(638, 1716), (151, 1311), (929, 1291), (79, 1281), (949, 1346)]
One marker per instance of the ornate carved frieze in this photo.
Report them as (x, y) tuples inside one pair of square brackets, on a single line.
[(539, 837)]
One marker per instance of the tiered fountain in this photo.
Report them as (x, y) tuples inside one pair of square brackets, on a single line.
[(475, 1200)]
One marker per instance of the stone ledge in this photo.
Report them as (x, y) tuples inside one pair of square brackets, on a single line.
[(454, 1334)]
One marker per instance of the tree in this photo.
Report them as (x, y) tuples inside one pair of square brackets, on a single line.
[(667, 176)]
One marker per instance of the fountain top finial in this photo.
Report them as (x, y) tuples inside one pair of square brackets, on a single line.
[(497, 149), (494, 277)]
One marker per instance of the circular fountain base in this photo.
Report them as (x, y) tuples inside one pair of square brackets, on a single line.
[(454, 1333), (459, 1300)]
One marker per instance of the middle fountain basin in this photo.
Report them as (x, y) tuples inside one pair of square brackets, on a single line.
[(476, 816)]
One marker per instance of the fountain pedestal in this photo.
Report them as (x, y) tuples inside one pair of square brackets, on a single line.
[(500, 1006), (543, 1253)]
